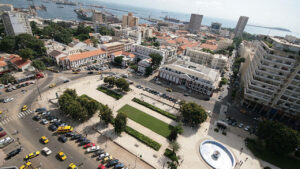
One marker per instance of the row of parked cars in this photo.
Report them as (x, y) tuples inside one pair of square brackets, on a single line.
[(66, 133), (231, 121), (11, 87), (163, 95), (97, 67), (4, 141)]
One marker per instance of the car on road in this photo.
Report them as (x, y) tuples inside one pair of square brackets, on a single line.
[(52, 127), (6, 141), (46, 113), (112, 163), (26, 165), (247, 128), (47, 151), (24, 108), (73, 166), (76, 137), (44, 140), (62, 156), (90, 73), (52, 85), (36, 118), (158, 82), (119, 166), (2, 134), (13, 153), (44, 121), (169, 90), (63, 138), (32, 155), (66, 81), (89, 145), (92, 149), (240, 125), (139, 86)]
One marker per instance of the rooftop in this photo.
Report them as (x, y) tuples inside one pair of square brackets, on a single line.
[(112, 44), (85, 55)]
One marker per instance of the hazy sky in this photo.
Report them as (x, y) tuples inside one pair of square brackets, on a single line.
[(281, 13)]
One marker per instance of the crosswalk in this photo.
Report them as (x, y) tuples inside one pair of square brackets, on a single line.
[(5, 120)]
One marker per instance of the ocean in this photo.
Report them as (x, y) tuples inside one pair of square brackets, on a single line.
[(67, 13)]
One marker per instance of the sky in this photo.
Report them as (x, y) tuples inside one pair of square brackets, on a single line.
[(277, 13)]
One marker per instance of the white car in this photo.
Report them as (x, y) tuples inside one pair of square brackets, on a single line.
[(8, 100), (247, 128), (103, 156), (44, 121), (92, 149), (4, 142), (240, 125), (47, 151)]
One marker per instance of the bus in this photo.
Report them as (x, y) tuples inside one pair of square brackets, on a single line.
[(64, 129)]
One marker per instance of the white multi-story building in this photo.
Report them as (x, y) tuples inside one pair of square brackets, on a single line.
[(194, 77), (214, 61), (16, 23), (77, 60), (271, 76), (143, 52)]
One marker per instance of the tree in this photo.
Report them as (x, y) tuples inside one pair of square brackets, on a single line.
[(148, 70), (122, 84), (120, 123), (156, 44), (105, 114), (110, 80), (90, 105), (7, 78), (175, 131), (172, 164), (39, 65), (192, 114), (175, 146), (278, 137), (28, 41), (223, 82), (118, 60), (8, 44), (26, 53), (156, 59)]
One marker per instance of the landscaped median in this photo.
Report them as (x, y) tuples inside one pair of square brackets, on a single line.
[(158, 110), (110, 92), (144, 139), (147, 121)]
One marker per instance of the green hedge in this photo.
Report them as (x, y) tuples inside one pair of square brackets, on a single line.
[(111, 93), (144, 139), (171, 155), (158, 110)]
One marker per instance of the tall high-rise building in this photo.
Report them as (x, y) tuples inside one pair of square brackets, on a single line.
[(16, 23), (240, 26), (215, 27), (195, 23), (98, 17), (130, 20), (271, 77)]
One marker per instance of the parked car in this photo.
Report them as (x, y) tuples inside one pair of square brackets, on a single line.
[(63, 138), (247, 128), (32, 155), (101, 156), (13, 153), (62, 156), (52, 127), (6, 141), (66, 81), (112, 163), (36, 118), (169, 90), (92, 149), (76, 137), (119, 166), (2, 134), (40, 110), (240, 125), (91, 72), (89, 145), (70, 134), (44, 121), (84, 142)]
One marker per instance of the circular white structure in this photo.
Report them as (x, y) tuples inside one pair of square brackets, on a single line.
[(216, 155)]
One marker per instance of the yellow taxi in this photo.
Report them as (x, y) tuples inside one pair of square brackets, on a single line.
[(52, 85), (1, 112), (24, 108), (169, 90), (76, 72), (73, 166), (44, 139), (32, 155), (106, 159), (62, 156), (99, 73), (26, 165)]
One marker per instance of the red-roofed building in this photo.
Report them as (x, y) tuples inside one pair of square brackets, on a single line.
[(209, 46), (77, 60), (3, 66), (19, 63), (127, 57)]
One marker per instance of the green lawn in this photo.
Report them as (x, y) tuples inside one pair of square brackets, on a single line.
[(110, 93), (146, 120), (281, 161)]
